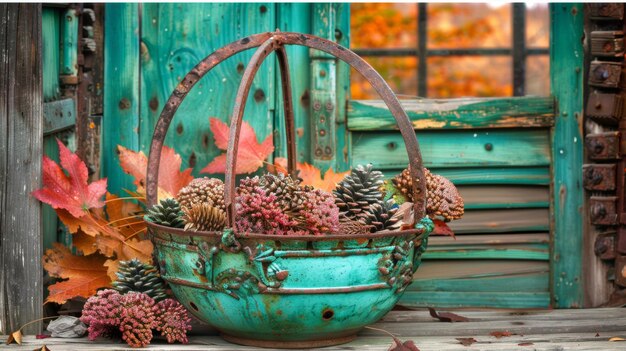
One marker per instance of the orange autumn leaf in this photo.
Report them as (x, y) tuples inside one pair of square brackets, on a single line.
[(312, 175), (69, 192), (171, 178), (84, 243), (250, 155), (125, 217), (84, 274)]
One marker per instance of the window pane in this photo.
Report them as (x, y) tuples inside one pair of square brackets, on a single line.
[(537, 25), (399, 72), (538, 75), (469, 25), (376, 25), (453, 77)]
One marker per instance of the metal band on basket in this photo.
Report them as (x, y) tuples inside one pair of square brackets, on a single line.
[(268, 43)]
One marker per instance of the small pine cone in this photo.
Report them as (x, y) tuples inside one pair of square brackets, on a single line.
[(173, 321), (137, 319), (167, 213), (443, 198), (202, 190), (350, 227), (288, 192), (258, 211), (381, 217), (204, 217), (320, 214), (358, 191), (136, 276), (102, 313)]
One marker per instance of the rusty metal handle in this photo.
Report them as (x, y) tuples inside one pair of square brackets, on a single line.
[(274, 42)]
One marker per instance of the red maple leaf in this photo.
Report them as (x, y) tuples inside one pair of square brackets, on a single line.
[(441, 228), (171, 179), (250, 155), (70, 192)]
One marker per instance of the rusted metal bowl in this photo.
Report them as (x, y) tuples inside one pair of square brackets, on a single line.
[(284, 291), (287, 292)]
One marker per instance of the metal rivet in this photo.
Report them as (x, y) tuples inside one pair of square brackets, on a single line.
[(328, 150), (318, 152), (322, 132), (392, 145), (489, 146), (338, 34), (322, 73), (317, 105), (329, 106)]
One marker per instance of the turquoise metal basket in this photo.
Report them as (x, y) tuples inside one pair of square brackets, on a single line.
[(286, 291)]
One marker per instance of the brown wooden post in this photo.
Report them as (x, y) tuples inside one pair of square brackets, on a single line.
[(21, 136)]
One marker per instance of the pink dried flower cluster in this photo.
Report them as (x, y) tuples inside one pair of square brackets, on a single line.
[(135, 315), (259, 210), (320, 212)]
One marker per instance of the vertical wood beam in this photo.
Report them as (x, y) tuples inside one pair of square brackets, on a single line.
[(566, 73), (21, 135), (519, 48), (120, 123)]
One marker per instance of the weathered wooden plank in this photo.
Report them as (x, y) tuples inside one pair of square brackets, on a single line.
[(58, 115), (479, 176), (566, 74), (502, 221), (51, 53), (451, 269), (455, 299), (492, 239), (175, 37), (526, 282), (465, 113), (120, 122), (463, 148), (499, 196), (21, 115), (512, 253)]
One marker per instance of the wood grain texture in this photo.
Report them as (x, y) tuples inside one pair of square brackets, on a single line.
[(491, 299), (174, 38), (120, 122), (566, 72), (21, 134), (489, 176), (545, 330), (502, 221), (476, 197), (465, 113), (51, 53), (462, 148)]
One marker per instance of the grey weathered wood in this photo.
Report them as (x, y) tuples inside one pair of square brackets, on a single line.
[(21, 134), (545, 329)]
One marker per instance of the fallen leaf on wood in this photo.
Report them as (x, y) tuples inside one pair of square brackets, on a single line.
[(441, 228), (171, 178), (500, 334), (597, 335), (447, 316), (43, 348), (250, 154), (525, 344), (398, 345), (70, 192), (85, 274), (16, 337), (42, 336), (466, 341), (617, 338)]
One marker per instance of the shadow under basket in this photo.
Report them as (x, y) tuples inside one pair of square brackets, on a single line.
[(286, 291)]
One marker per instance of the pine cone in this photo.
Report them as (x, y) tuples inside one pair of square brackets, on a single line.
[(290, 196), (136, 276), (356, 193), (204, 217), (167, 213), (350, 227), (202, 190), (102, 313), (319, 213), (137, 319), (443, 198), (382, 216)]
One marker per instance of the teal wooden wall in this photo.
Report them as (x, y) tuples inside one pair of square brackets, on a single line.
[(499, 152)]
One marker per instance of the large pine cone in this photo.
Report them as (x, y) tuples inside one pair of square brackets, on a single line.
[(290, 195), (355, 194), (443, 198), (204, 217), (202, 190), (136, 276)]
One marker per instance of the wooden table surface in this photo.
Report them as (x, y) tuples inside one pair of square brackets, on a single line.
[(588, 329)]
